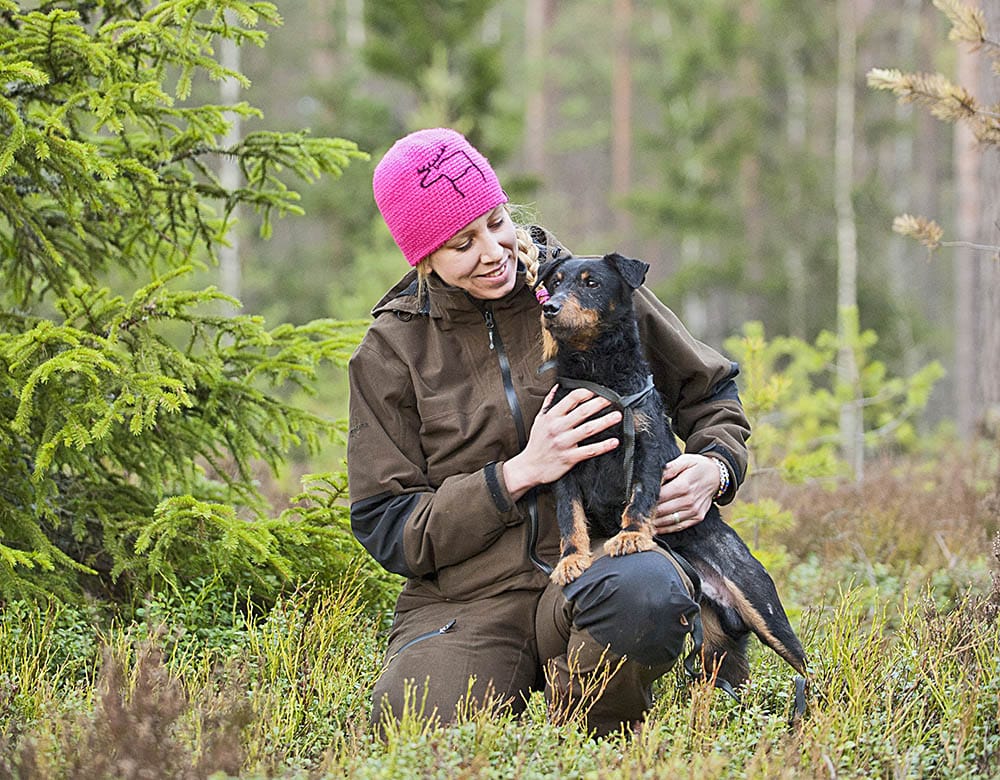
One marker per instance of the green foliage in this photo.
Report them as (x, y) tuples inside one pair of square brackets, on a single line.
[(793, 398), (435, 48), (134, 424), (899, 687)]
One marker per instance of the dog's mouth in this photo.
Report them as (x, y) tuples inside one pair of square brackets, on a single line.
[(567, 321)]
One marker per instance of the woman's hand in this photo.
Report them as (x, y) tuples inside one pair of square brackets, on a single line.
[(553, 446), (689, 484)]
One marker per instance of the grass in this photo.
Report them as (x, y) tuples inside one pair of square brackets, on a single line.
[(892, 584)]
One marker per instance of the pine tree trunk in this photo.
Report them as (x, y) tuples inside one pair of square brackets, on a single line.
[(751, 202), (851, 431), (535, 26), (621, 116)]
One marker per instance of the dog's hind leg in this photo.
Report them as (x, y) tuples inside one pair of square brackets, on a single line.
[(724, 656), (742, 588), (574, 539)]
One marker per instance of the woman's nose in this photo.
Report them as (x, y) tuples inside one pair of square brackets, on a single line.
[(492, 249)]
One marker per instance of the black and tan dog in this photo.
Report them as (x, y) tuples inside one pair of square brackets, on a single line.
[(590, 329)]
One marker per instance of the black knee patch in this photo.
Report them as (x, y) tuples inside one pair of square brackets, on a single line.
[(638, 604)]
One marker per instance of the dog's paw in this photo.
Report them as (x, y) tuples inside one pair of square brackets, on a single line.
[(627, 542), (570, 567)]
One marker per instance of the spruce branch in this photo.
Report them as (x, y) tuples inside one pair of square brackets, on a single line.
[(144, 412)]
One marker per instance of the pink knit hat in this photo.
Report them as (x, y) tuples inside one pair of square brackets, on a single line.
[(430, 185)]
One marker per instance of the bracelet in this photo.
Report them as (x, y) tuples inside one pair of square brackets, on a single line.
[(723, 477)]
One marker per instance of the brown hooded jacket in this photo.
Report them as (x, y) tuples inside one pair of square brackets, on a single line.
[(442, 392)]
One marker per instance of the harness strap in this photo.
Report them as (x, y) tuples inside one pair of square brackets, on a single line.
[(628, 415)]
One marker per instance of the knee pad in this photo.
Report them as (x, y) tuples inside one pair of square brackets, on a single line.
[(637, 604)]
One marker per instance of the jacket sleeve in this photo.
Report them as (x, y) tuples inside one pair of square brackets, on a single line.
[(699, 387), (409, 526)]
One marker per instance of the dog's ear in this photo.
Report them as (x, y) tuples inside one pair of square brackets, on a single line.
[(546, 269), (632, 271)]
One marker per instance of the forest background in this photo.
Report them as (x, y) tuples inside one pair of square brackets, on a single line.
[(159, 566), (700, 136)]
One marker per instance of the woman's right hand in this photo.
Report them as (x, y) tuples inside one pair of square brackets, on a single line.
[(553, 446)]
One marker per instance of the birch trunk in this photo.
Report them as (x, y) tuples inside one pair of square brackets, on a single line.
[(988, 351), (851, 430), (968, 208)]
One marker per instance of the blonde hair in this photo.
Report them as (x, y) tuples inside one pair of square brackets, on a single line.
[(527, 253)]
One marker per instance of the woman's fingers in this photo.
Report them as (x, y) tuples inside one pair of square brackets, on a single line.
[(585, 451), (686, 493), (578, 404)]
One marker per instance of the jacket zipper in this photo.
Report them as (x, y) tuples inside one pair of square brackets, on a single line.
[(496, 345), (417, 639)]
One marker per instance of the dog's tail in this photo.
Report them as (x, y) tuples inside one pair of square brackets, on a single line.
[(740, 593)]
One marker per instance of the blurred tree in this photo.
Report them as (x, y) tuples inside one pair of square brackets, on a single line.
[(848, 371), (975, 105), (447, 53), (740, 199), (133, 422)]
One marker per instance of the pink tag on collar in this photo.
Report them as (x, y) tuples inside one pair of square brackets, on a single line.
[(541, 294)]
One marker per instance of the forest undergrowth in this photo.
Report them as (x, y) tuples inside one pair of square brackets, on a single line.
[(893, 584)]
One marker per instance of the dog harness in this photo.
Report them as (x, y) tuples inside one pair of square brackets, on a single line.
[(626, 403)]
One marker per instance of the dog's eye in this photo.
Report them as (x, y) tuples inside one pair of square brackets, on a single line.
[(553, 283), (592, 282)]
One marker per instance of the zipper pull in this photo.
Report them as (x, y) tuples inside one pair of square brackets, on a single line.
[(490, 325), (447, 627)]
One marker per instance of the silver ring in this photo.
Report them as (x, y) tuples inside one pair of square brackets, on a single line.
[(675, 518)]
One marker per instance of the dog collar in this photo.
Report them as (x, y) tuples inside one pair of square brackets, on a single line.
[(626, 403)]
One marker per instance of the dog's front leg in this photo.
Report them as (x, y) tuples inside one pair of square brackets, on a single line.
[(574, 539), (637, 525)]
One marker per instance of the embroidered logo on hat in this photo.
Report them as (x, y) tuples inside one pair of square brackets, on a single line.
[(451, 168)]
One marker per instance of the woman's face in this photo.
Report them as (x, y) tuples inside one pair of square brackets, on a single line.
[(481, 258)]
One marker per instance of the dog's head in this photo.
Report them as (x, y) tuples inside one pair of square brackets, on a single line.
[(586, 296)]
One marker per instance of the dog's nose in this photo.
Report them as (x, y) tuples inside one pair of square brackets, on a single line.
[(551, 309)]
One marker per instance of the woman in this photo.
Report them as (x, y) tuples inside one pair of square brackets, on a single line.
[(452, 449)]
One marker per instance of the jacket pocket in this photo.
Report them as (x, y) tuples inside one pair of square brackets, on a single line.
[(423, 637)]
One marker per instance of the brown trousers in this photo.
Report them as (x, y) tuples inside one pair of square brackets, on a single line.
[(594, 647)]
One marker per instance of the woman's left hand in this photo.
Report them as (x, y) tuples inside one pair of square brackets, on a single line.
[(689, 484)]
